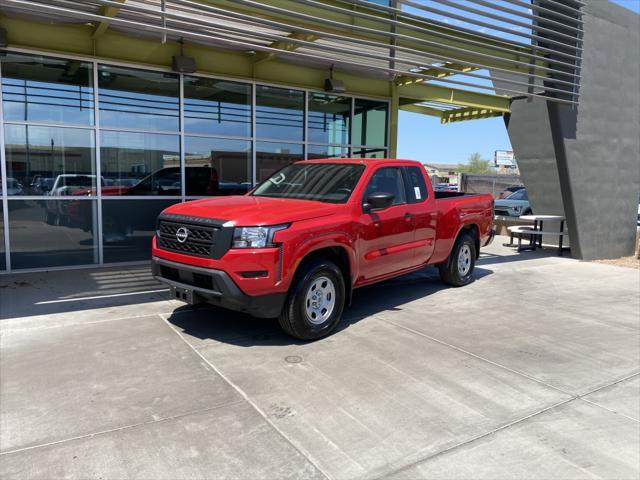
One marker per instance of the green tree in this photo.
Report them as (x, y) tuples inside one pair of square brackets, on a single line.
[(475, 164)]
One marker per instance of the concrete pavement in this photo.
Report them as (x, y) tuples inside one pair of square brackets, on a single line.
[(532, 371)]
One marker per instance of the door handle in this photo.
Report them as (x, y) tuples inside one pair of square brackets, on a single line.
[(409, 216)]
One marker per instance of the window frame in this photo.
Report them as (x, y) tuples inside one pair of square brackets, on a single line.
[(402, 184)]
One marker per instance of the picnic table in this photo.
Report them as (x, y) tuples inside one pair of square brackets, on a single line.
[(536, 231)]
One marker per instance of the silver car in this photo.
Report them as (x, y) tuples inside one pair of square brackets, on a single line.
[(513, 205)]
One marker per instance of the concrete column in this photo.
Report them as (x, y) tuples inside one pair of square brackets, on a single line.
[(595, 147)]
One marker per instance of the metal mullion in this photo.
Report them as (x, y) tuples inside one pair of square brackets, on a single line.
[(324, 144), (98, 160), (54, 198), (305, 127), (277, 140), (254, 164), (140, 197), (181, 155), (85, 266), (5, 193), (49, 125), (351, 120), (212, 135), (139, 130)]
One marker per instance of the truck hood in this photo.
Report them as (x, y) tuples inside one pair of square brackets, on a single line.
[(248, 210)]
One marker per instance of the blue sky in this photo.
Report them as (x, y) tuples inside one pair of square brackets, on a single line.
[(423, 138)]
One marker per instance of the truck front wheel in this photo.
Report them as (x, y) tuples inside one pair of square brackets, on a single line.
[(315, 302), (458, 269)]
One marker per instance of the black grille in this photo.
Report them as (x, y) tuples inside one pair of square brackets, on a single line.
[(187, 277), (200, 239)]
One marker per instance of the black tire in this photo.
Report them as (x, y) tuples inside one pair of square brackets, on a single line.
[(295, 319), (452, 272)]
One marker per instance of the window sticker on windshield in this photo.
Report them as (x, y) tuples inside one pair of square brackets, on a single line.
[(416, 190)]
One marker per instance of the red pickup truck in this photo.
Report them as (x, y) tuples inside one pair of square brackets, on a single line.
[(297, 245)]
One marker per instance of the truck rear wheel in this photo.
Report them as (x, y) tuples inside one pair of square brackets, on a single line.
[(458, 269), (315, 302)]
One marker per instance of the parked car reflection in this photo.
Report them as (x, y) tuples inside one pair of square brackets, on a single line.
[(14, 187)]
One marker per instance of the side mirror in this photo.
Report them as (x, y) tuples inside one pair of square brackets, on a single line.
[(378, 201)]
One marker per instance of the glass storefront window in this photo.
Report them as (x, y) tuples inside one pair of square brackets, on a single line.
[(217, 107), (369, 153), (273, 156), (50, 122), (138, 99), (52, 161), (52, 233), (328, 118), (370, 122), (140, 163), (217, 166), (48, 90), (279, 113), (326, 151), (127, 228)]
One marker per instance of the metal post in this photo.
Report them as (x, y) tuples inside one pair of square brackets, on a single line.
[(254, 166), (181, 156), (394, 107), (3, 175), (97, 142)]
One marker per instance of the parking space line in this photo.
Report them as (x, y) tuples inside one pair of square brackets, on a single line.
[(299, 449), (471, 440), (462, 350), (97, 297)]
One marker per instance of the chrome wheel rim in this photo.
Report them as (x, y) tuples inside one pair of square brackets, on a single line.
[(320, 300), (464, 260)]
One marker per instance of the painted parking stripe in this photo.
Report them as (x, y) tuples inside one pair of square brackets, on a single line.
[(101, 296)]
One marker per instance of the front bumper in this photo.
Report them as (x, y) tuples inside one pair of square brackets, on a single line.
[(206, 285)]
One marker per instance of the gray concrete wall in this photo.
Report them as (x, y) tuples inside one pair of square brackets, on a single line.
[(595, 146)]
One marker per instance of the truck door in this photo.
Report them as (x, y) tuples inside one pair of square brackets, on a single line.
[(423, 209), (387, 234)]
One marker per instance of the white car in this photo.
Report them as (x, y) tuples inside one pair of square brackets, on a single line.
[(72, 181)]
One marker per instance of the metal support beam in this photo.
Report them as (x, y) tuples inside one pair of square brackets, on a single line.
[(424, 92), (434, 112), (436, 72), (107, 12), (285, 46), (462, 114)]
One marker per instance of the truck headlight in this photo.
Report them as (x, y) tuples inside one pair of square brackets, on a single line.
[(255, 237)]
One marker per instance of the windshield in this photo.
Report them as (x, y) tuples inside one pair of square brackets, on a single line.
[(519, 195), (323, 182)]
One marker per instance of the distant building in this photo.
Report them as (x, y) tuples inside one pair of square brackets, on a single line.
[(442, 172)]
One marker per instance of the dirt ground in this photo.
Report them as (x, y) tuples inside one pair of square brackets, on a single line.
[(629, 262)]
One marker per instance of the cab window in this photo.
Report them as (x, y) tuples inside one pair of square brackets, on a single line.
[(387, 180), (416, 188)]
